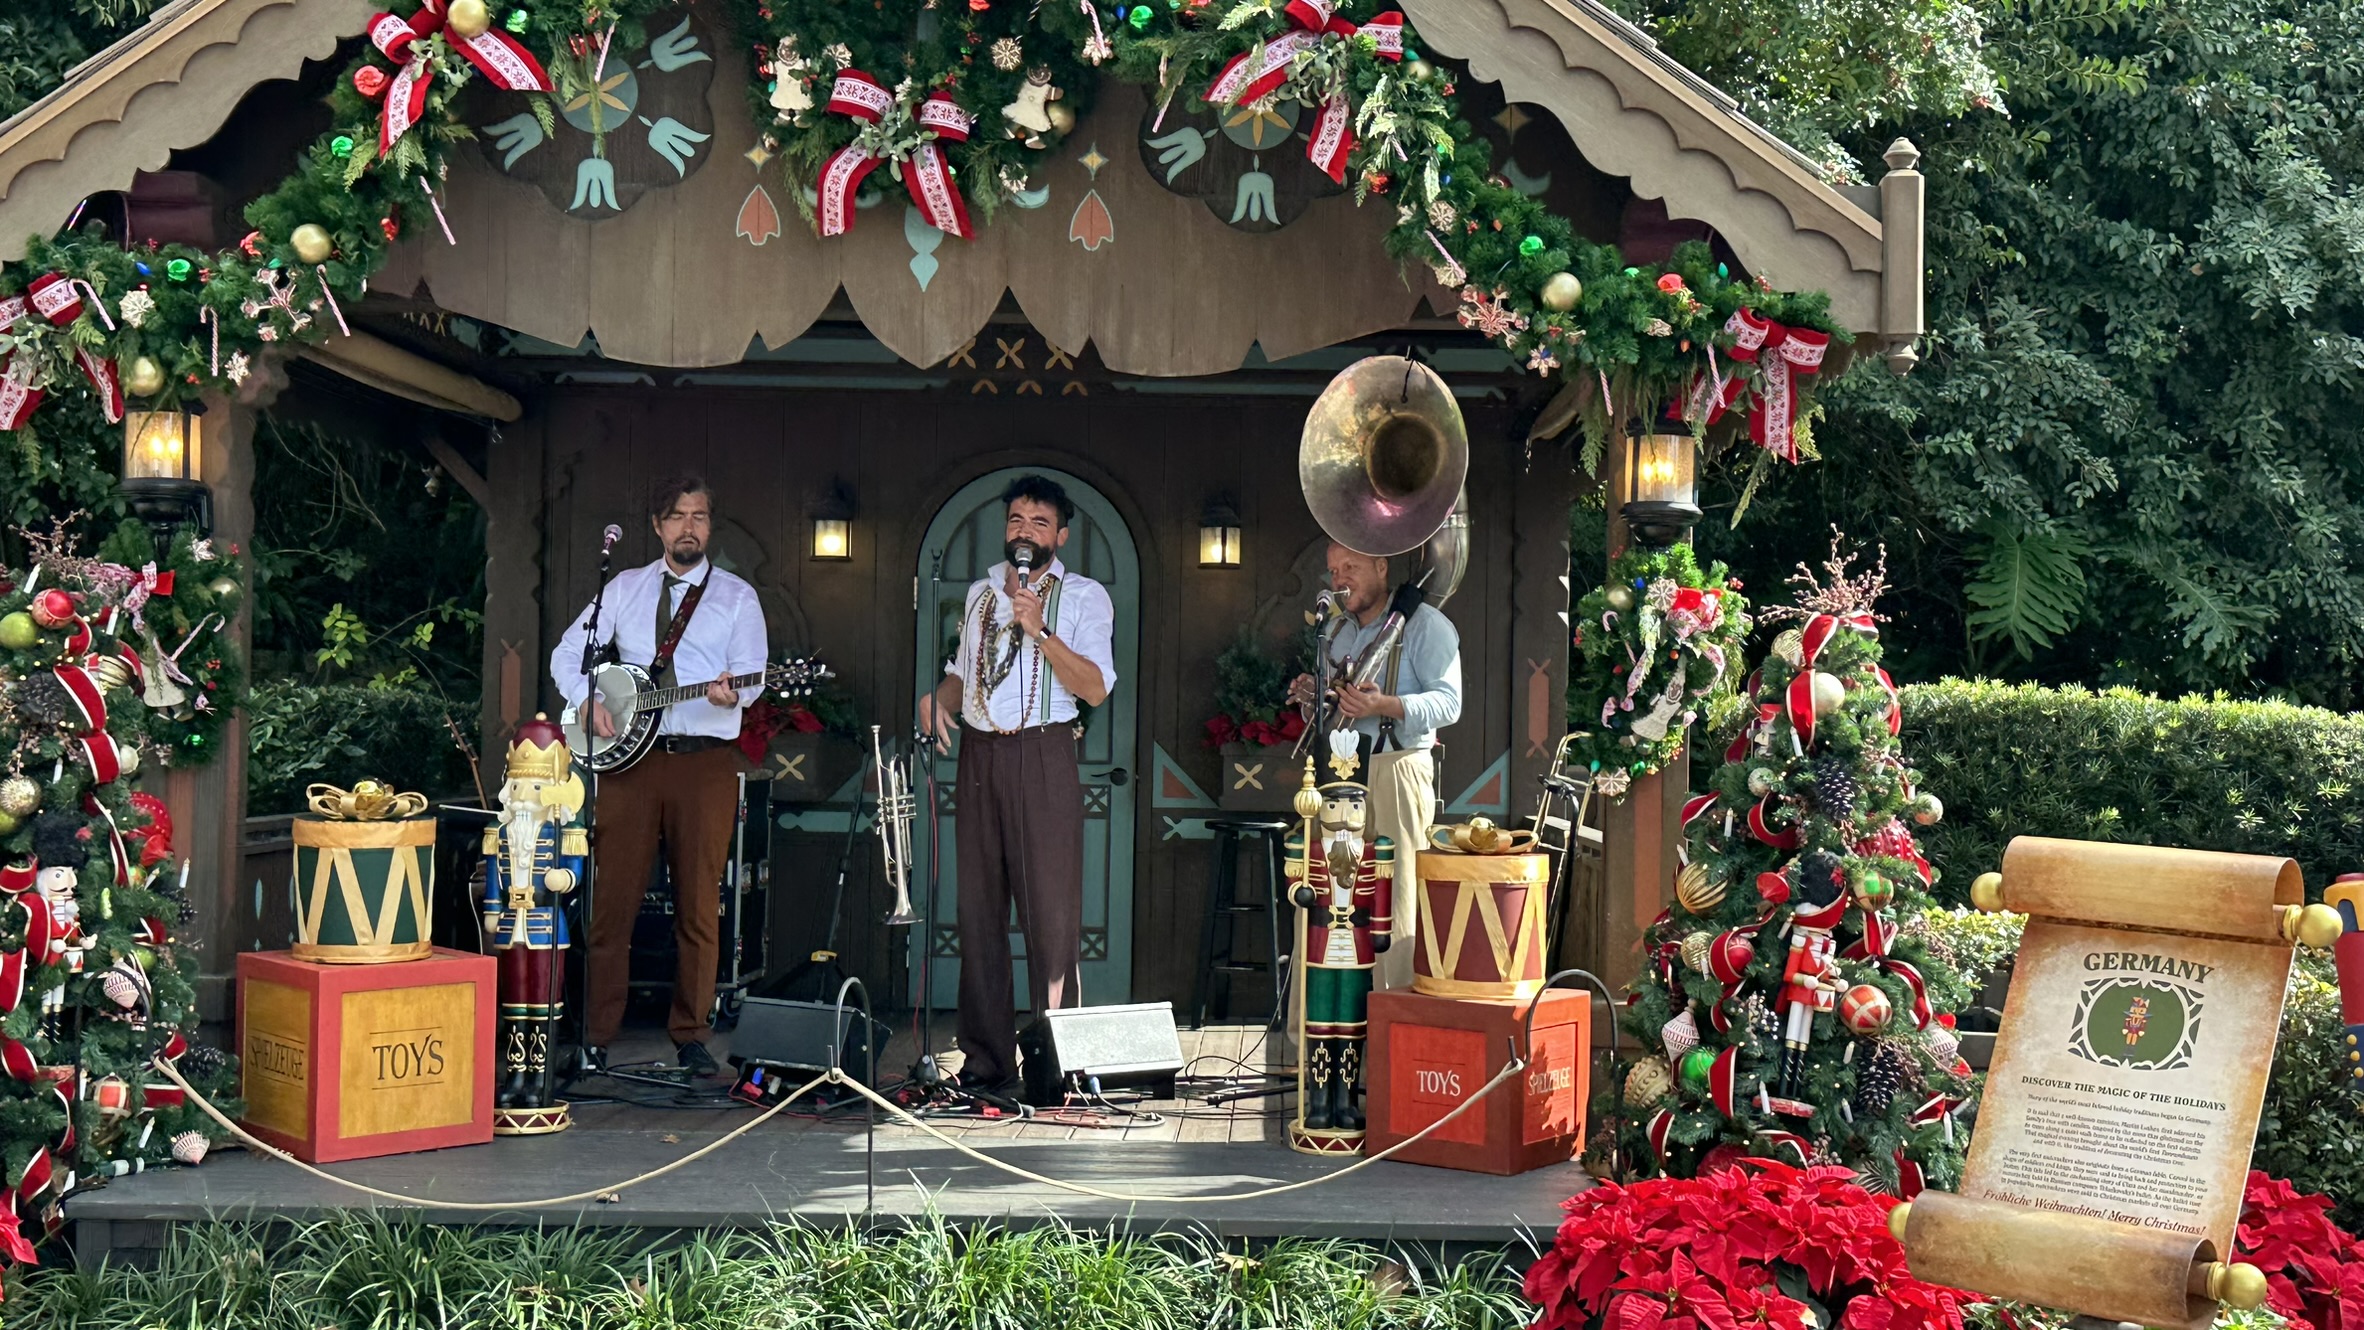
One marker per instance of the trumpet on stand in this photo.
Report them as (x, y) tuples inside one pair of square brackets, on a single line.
[(896, 807)]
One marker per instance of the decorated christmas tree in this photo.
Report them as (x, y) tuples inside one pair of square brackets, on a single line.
[(1796, 992), (94, 999)]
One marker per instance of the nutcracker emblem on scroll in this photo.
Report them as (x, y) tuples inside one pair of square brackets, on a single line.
[(2122, 1101)]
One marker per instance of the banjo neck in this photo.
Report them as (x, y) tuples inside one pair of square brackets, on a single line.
[(658, 699)]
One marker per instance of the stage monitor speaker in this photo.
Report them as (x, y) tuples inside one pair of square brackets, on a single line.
[(797, 1036), (1133, 1046)]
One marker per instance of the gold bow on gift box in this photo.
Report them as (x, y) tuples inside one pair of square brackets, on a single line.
[(367, 801), (1480, 836)]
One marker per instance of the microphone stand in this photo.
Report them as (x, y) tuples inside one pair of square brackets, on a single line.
[(579, 985), (926, 1073)]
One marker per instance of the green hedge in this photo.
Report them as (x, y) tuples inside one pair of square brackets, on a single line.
[(298, 733), (2203, 773)]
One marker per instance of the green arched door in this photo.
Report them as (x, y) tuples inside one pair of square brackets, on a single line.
[(962, 542)]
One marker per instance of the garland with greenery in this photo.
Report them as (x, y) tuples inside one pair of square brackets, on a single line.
[(181, 625), (162, 321), (1655, 642)]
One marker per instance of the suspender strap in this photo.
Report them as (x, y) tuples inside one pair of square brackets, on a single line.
[(1050, 622)]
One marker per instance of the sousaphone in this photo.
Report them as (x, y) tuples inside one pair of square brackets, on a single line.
[(1382, 464)]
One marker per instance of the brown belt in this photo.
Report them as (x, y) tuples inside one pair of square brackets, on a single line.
[(1018, 733)]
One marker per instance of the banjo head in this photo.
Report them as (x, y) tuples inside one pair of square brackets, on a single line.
[(618, 686)]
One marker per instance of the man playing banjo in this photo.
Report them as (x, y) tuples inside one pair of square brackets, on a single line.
[(681, 619)]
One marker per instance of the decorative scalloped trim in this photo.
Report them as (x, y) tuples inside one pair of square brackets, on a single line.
[(1645, 176)]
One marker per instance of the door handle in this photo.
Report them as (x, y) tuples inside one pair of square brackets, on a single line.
[(1116, 775)]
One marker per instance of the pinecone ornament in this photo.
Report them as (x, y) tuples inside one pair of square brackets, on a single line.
[(203, 1062), (1877, 1079), (1835, 787)]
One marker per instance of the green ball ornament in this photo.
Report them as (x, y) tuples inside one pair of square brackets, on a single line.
[(222, 588), (519, 21), (341, 146), (1696, 1065), (145, 956), (9, 822), (18, 632), (1561, 291), (178, 270), (1530, 246), (1140, 17)]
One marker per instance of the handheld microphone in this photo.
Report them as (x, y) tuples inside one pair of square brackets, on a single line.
[(609, 537), (1023, 557)]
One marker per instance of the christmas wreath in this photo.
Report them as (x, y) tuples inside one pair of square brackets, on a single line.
[(1654, 642), (957, 100)]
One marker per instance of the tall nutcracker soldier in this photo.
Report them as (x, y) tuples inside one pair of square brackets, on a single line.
[(1343, 882), (1810, 982), (533, 859)]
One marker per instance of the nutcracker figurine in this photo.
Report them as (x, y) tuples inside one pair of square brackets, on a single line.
[(533, 858), (1342, 881), (1810, 984), (2346, 895)]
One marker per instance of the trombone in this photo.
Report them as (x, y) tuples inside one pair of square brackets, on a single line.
[(895, 810)]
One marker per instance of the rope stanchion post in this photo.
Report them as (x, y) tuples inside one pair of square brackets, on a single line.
[(1524, 1045), (869, 1077)]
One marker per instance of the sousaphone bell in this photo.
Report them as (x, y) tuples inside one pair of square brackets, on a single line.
[(1384, 456)]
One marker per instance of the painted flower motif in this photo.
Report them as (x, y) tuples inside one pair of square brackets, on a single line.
[(136, 307), (1542, 361)]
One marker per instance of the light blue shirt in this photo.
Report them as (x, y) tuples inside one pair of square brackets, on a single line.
[(1427, 674)]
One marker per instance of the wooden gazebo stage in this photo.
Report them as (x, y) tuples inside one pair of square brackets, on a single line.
[(813, 1172)]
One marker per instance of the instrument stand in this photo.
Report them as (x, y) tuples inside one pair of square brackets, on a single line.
[(578, 1063), (1561, 813)]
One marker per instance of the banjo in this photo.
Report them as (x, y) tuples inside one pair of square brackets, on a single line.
[(636, 703)]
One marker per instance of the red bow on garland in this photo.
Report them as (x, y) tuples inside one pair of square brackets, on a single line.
[(929, 177), (1782, 355), (1333, 132), (1815, 636), (54, 297), (498, 56)]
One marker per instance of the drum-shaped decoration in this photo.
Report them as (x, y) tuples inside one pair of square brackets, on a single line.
[(1480, 929), (361, 889)]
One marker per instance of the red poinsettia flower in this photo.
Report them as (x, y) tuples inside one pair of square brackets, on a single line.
[(801, 719), (1680, 1295), (1220, 731)]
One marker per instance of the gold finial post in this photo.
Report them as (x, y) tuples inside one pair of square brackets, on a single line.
[(1986, 892), (2315, 926)]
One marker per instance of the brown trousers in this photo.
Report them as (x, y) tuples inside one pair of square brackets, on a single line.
[(1019, 819), (691, 800)]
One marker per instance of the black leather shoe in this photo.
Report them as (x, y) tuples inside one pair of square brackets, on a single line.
[(973, 1083), (697, 1061)]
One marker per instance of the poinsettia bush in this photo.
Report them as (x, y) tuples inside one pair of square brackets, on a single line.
[(1755, 1243), (2314, 1269)]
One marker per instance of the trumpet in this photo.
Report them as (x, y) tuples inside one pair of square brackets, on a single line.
[(895, 809)]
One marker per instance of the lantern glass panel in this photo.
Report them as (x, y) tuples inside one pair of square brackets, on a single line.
[(162, 445), (832, 538), (1218, 546), (1664, 469)]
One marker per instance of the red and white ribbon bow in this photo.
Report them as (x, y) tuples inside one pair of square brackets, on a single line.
[(501, 58), (58, 298), (1879, 934), (19, 399), (925, 172), (1782, 355), (1248, 78), (1817, 633)]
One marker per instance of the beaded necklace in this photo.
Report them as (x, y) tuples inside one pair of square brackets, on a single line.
[(993, 673)]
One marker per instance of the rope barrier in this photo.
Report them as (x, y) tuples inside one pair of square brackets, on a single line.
[(837, 1076)]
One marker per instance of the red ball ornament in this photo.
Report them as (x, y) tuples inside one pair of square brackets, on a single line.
[(370, 81), (53, 608), (1728, 957), (391, 225), (1773, 887), (1865, 1009)]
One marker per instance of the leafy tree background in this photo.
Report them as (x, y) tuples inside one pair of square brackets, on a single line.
[(2131, 452)]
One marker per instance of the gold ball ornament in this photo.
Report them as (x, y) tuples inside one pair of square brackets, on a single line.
[(143, 377), (1986, 892), (1650, 1081), (468, 19), (1927, 810), (1762, 781), (1829, 694), (222, 588), (1698, 890), (2315, 926), (312, 242), (111, 672), (1620, 598), (19, 796), (1561, 291), (1790, 645), (1898, 1218), (1695, 951), (18, 631), (1420, 71), (128, 757), (1062, 118)]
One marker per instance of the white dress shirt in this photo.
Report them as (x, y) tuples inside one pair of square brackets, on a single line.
[(1084, 619), (725, 636)]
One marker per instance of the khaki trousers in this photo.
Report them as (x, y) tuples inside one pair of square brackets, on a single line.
[(1402, 807)]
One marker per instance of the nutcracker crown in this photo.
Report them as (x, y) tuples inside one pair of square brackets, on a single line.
[(539, 752)]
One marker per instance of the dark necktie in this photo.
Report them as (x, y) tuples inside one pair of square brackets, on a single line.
[(664, 677)]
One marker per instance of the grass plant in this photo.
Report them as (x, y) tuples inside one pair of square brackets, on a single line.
[(383, 1270)]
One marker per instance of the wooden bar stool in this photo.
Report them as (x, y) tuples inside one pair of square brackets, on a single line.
[(1216, 954)]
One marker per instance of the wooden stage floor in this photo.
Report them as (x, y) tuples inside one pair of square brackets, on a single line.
[(814, 1170)]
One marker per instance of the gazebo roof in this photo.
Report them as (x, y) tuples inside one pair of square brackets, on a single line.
[(1631, 111)]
